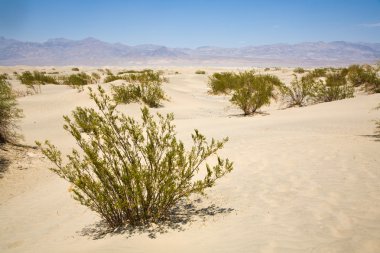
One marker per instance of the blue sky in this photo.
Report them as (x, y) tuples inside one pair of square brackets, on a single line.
[(192, 23)]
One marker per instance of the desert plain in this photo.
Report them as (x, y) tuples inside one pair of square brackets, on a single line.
[(305, 179)]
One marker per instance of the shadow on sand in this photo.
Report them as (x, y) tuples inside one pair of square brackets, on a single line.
[(181, 215), (4, 163)]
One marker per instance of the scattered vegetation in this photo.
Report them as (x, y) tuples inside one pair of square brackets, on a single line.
[(129, 172), (200, 72), (141, 87), (9, 113), (75, 69), (266, 69)]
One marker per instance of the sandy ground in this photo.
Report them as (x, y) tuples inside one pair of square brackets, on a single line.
[(305, 179)]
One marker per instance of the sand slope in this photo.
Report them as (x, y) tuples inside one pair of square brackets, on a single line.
[(305, 180)]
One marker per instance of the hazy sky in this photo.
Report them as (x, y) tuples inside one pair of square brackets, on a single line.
[(192, 23)]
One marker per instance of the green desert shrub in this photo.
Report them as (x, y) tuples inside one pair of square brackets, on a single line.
[(335, 87), (133, 172), (9, 113), (223, 83), (255, 91), (33, 81), (145, 87), (299, 70), (75, 69), (300, 91), (200, 72)]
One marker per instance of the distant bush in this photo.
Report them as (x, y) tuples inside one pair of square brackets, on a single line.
[(77, 80), (223, 83), (300, 91), (9, 113), (364, 76), (334, 88), (111, 78), (130, 172), (200, 72), (134, 71), (266, 69), (33, 81), (319, 72), (144, 87), (254, 92), (299, 70), (75, 69)]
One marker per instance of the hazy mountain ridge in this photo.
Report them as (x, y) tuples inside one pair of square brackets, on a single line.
[(93, 52)]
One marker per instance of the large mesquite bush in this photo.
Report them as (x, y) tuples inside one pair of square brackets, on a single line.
[(131, 171)]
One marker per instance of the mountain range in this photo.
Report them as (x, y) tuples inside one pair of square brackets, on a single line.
[(94, 52)]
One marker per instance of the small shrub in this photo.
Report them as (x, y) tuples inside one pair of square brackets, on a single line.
[(299, 92), (200, 72), (9, 113), (130, 172), (144, 87), (299, 70), (334, 88), (266, 69), (75, 69), (255, 91)]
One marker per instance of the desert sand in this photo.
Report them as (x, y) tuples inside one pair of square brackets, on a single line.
[(304, 179)]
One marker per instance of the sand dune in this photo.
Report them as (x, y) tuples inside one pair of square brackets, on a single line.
[(305, 179)]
